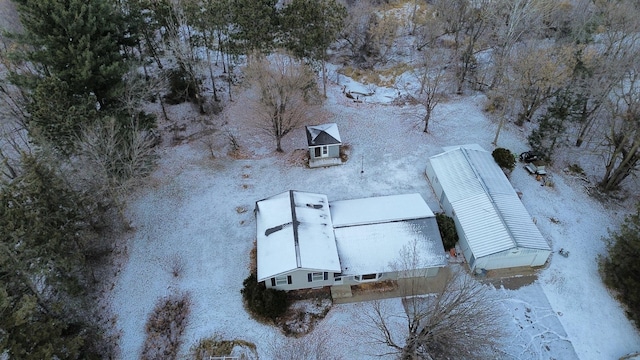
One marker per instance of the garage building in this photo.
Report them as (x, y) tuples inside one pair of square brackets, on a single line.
[(495, 230)]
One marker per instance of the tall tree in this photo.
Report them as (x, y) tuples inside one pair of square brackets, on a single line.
[(310, 27), (287, 94), (42, 246), (538, 73), (467, 21), (452, 323), (255, 25), (620, 266), (432, 78), (622, 133), (79, 42)]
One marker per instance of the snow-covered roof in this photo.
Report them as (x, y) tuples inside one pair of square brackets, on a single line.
[(377, 248), (485, 204), (294, 230), (379, 209), (325, 134)]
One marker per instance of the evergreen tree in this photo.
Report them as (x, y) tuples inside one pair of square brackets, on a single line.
[(41, 265), (310, 27), (255, 25), (553, 124), (78, 42), (621, 266)]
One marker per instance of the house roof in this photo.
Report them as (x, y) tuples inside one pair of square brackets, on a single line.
[(294, 230), (378, 209), (372, 232), (485, 204), (325, 134), (383, 247)]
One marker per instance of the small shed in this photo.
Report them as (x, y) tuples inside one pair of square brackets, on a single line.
[(324, 145), (495, 230)]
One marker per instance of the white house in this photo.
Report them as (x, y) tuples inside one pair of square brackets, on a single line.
[(494, 228), (295, 241), (303, 243)]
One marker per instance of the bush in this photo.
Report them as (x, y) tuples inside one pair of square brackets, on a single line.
[(216, 346), (504, 158), (165, 327), (183, 87), (621, 267), (448, 231), (263, 302)]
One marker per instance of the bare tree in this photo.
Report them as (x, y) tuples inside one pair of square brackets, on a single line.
[(370, 32), (287, 94), (467, 22), (514, 19), (537, 72), (461, 321), (431, 75), (622, 137)]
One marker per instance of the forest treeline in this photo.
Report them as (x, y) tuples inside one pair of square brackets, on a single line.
[(76, 137)]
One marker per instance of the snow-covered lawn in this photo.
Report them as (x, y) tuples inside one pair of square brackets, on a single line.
[(191, 233)]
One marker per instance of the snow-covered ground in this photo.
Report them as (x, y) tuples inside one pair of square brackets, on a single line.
[(190, 217)]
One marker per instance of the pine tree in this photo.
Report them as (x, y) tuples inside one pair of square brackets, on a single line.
[(41, 265), (255, 23), (621, 267), (78, 42), (310, 27)]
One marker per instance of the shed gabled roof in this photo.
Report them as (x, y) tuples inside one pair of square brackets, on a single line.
[(485, 204), (294, 231), (325, 134)]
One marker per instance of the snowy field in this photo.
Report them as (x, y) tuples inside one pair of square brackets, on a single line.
[(190, 214)]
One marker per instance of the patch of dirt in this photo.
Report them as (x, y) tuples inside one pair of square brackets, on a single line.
[(298, 157)]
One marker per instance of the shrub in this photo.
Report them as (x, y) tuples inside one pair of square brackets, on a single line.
[(621, 266), (183, 87), (216, 346), (448, 231), (504, 158), (165, 327), (263, 302)]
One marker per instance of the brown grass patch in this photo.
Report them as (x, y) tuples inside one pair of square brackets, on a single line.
[(253, 258), (378, 286)]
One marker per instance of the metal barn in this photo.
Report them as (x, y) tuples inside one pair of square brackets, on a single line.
[(495, 230)]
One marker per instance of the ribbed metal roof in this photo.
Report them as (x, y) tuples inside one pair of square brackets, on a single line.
[(486, 205)]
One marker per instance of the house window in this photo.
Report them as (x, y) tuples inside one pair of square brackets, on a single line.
[(283, 280), (325, 150), (337, 276), (317, 276), (317, 152), (367, 277)]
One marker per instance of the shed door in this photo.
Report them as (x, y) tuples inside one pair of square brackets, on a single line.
[(325, 151)]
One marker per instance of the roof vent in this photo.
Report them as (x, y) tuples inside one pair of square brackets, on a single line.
[(270, 231)]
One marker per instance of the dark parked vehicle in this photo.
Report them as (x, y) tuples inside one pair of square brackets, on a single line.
[(530, 156)]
